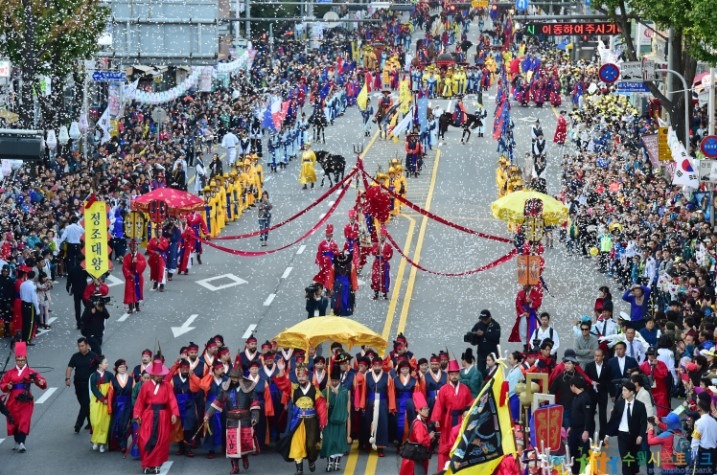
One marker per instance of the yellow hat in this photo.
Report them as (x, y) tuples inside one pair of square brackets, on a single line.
[(212, 183), (234, 173), (247, 162), (207, 189), (391, 171), (225, 175), (381, 176)]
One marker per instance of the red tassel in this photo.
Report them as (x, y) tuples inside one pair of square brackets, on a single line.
[(91, 200), (504, 393)]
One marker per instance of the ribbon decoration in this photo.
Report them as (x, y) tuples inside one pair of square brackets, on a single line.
[(311, 231), (501, 260), (428, 214), (292, 218)]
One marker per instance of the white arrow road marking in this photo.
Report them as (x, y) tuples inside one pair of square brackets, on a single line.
[(42, 332), (164, 469), (2, 440), (249, 331), (286, 272), (301, 249), (46, 395), (124, 317), (269, 299), (51, 320), (185, 328)]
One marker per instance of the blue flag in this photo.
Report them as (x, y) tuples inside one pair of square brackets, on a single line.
[(267, 121), (423, 112), (324, 90)]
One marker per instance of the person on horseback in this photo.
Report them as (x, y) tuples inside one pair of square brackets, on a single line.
[(414, 152), (459, 113), (384, 105)]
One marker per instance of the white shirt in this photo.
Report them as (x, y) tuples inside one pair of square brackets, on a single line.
[(621, 364), (606, 327), (28, 294), (72, 234), (650, 270), (541, 334), (624, 427), (644, 397), (598, 369), (634, 349), (705, 433), (230, 141)]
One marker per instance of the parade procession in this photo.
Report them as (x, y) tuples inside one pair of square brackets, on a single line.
[(363, 238)]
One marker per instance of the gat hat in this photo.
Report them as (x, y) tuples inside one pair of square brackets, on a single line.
[(419, 400), (484, 314), (570, 355), (651, 351), (342, 358), (453, 366), (157, 369), (236, 372), (434, 358)]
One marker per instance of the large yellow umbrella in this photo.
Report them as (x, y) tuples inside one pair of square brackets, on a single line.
[(511, 208), (314, 331)]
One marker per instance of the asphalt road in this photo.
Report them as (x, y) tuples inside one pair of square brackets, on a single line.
[(234, 296)]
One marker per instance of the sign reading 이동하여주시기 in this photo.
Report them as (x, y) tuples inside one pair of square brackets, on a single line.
[(96, 252)]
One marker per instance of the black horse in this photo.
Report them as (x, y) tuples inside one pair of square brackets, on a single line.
[(332, 164), (319, 123), (472, 121)]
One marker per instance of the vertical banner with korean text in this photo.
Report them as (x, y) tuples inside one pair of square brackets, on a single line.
[(96, 252)]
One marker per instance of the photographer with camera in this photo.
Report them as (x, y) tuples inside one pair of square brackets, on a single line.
[(316, 302), (486, 336), (17, 382), (93, 321)]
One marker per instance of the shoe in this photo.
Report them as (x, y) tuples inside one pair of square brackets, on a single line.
[(312, 466), (189, 454), (375, 296), (235, 467), (102, 448), (245, 462), (95, 446), (161, 288), (88, 426), (30, 344), (385, 296), (380, 453), (77, 429), (299, 468), (17, 446), (211, 455), (21, 448)]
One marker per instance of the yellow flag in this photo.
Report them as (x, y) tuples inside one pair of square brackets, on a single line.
[(362, 98), (481, 445), (96, 255), (404, 96)]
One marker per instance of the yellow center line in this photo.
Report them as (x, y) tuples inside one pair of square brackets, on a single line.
[(352, 459), (419, 247), (372, 463)]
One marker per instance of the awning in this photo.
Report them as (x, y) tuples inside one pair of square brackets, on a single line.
[(184, 68), (144, 69)]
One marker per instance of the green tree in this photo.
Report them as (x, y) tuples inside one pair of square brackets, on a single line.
[(47, 38), (693, 23)]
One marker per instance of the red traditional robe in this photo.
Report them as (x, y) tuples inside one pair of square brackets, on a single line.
[(658, 373), (351, 234), (133, 267), (419, 434), (16, 322), (381, 269), (448, 410), (325, 261), (21, 411), (157, 249), (535, 296), (189, 238), (92, 289), (155, 406), (561, 131)]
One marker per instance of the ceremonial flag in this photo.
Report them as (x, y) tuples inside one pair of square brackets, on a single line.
[(403, 125), (96, 253), (685, 169), (276, 116), (266, 120), (404, 96), (486, 435), (104, 124), (423, 112), (324, 90), (362, 98)]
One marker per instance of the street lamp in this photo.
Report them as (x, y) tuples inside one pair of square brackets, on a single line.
[(63, 137), (84, 127), (51, 141)]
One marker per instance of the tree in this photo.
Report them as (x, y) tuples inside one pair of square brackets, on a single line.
[(692, 23), (47, 38)]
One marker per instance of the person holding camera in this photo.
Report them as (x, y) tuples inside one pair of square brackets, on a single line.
[(93, 321), (17, 382), (486, 336), (316, 302)]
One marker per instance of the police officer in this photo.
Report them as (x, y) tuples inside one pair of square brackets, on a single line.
[(704, 440)]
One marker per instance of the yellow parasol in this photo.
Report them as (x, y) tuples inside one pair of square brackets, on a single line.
[(8, 117), (314, 331), (511, 208)]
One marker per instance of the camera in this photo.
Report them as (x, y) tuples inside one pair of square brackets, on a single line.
[(100, 299), (471, 338), (311, 291)]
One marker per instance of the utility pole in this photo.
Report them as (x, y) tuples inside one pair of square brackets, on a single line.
[(711, 103), (247, 23)]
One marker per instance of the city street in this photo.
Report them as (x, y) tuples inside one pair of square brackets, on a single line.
[(236, 296)]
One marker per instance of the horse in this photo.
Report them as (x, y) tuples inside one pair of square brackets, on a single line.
[(472, 121), (381, 120), (319, 123), (331, 163)]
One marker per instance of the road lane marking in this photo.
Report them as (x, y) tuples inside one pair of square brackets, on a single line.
[(124, 317), (399, 279), (301, 249), (351, 460), (322, 215), (371, 463), (233, 278), (1, 441), (46, 395), (419, 246), (112, 281), (249, 331), (164, 469), (286, 273), (331, 203), (269, 299), (185, 328), (51, 320)]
